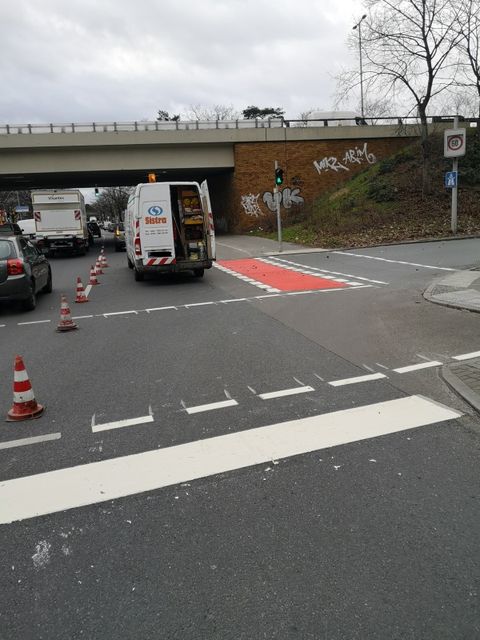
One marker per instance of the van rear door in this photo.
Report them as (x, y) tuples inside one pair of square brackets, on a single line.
[(156, 225), (207, 208)]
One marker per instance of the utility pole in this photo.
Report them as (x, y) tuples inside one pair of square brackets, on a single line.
[(455, 188), (359, 25)]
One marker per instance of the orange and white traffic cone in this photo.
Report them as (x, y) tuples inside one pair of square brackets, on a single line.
[(98, 267), (24, 407), (66, 323), (93, 276), (81, 297), (103, 259)]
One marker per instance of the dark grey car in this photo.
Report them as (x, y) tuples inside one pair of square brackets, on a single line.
[(24, 271)]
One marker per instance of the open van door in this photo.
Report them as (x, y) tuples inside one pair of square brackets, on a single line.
[(207, 207)]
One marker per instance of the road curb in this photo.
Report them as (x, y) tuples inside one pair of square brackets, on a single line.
[(460, 388), (429, 295)]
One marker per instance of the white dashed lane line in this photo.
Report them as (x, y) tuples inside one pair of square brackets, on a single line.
[(223, 404), (285, 392), (418, 367), (356, 380), (119, 424), (409, 264), (309, 269), (26, 441), (467, 356)]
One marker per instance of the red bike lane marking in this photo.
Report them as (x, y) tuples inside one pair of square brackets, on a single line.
[(278, 277)]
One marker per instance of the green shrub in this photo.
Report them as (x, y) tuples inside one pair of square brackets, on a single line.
[(381, 191)]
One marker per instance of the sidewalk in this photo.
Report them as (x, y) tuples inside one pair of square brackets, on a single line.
[(460, 290)]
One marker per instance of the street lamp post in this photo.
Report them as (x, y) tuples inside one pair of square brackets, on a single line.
[(359, 25)]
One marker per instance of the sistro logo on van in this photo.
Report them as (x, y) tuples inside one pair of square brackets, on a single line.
[(155, 216)]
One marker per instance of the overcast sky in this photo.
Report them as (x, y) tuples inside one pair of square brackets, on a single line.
[(118, 60)]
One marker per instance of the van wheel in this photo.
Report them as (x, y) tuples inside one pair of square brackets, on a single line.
[(139, 275), (198, 273), (130, 263)]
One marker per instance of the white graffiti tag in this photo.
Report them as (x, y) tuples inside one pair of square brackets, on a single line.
[(250, 205), (288, 198), (357, 155)]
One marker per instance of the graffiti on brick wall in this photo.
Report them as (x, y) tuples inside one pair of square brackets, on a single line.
[(287, 198), (250, 205), (353, 156)]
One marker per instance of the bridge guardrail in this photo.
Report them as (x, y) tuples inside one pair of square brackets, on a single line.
[(193, 125)]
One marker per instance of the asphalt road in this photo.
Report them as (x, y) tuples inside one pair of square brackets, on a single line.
[(221, 458)]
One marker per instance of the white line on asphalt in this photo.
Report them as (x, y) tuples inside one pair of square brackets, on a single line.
[(467, 356), (319, 377), (234, 300), (336, 273), (417, 367), (34, 440), (88, 288), (118, 313), (33, 322), (160, 309), (198, 304), (252, 390), (121, 423), (410, 264), (419, 355), (381, 365), (97, 482), (366, 378), (365, 366), (212, 406), (81, 317), (285, 392)]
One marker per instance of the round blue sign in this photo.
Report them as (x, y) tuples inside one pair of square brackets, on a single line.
[(155, 210)]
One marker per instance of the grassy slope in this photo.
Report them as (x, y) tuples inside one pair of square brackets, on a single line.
[(384, 203)]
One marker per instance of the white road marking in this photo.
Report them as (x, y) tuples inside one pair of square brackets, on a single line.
[(381, 365), (252, 390), (285, 392), (33, 322), (197, 304), (467, 356), (118, 313), (88, 288), (234, 300), (366, 378), (410, 264), (365, 366), (97, 482), (81, 317), (119, 424), (160, 309), (26, 441), (319, 377), (212, 406), (335, 273), (417, 367)]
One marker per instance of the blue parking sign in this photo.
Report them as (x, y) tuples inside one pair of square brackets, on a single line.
[(451, 179)]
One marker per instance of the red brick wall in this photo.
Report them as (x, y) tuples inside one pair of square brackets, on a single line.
[(254, 173)]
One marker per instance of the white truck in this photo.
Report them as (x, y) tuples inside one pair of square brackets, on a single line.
[(169, 228), (61, 221)]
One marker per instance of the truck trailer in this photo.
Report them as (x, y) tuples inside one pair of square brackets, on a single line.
[(61, 221)]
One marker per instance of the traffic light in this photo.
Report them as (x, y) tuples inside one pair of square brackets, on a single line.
[(152, 177), (278, 176)]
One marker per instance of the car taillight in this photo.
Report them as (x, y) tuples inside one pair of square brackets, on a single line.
[(14, 267), (138, 247)]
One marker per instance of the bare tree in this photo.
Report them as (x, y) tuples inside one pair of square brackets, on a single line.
[(469, 47), (112, 202), (215, 112), (409, 45)]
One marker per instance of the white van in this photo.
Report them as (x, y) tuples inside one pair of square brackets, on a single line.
[(169, 228)]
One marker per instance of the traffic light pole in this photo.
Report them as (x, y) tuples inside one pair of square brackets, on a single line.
[(279, 220)]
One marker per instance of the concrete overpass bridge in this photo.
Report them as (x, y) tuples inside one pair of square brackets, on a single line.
[(236, 157)]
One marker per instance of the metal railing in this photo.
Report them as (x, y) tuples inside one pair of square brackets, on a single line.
[(194, 125)]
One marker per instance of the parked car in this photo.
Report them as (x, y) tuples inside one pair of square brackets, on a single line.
[(10, 229), (94, 228), (24, 271), (119, 237)]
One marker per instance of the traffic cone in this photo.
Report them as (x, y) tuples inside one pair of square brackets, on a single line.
[(98, 267), (93, 276), (24, 407), (66, 323), (81, 297), (104, 262)]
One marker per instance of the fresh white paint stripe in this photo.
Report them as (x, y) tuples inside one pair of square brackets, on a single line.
[(88, 288), (285, 392), (121, 423), (233, 300), (34, 440), (212, 406), (118, 313), (96, 482), (81, 317), (410, 264), (160, 309), (467, 356), (417, 367), (33, 322), (365, 378)]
